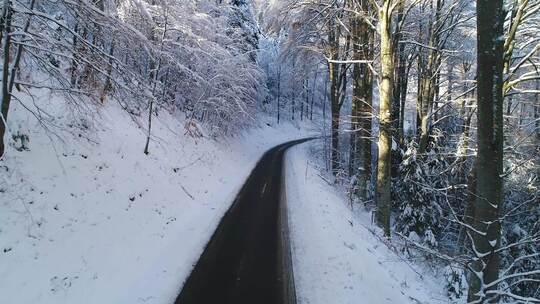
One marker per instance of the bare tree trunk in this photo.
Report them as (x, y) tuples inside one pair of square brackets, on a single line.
[(7, 85), (3, 17), (489, 187), (450, 86), (313, 94), (278, 92), (355, 111), (537, 111), (293, 101), (108, 81), (325, 101), (155, 76), (385, 128), (428, 79), (302, 101), (356, 99), (334, 100), (399, 73), (74, 64), (402, 100), (468, 216), (363, 39), (6, 94), (335, 139)]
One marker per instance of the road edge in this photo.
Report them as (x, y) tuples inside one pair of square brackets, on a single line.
[(288, 295)]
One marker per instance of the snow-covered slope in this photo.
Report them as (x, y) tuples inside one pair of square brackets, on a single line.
[(336, 259), (97, 221)]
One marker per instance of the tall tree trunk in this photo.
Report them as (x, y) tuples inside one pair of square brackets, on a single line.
[(6, 94), (364, 95), (385, 121), (334, 99), (489, 187), (293, 101), (402, 100), (74, 64), (305, 100), (313, 94), (335, 139), (156, 68), (450, 85), (428, 78), (108, 81), (5, 6), (468, 215), (537, 110), (399, 73), (7, 85), (278, 93), (324, 102), (355, 104), (424, 103)]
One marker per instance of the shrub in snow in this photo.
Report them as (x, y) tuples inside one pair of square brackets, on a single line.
[(20, 141), (455, 282), (521, 230), (418, 202)]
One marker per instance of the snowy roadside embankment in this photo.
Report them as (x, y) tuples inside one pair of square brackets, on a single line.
[(336, 259), (101, 222)]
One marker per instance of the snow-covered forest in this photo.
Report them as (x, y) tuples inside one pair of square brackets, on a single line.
[(128, 128)]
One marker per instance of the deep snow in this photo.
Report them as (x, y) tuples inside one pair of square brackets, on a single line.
[(101, 222), (336, 258)]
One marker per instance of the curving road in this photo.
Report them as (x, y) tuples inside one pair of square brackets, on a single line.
[(247, 260)]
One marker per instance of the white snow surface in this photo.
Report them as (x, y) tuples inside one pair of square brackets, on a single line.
[(336, 257), (100, 222)]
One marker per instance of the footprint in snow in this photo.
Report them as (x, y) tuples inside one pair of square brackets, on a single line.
[(350, 246), (58, 283)]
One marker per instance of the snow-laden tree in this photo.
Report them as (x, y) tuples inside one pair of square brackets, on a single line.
[(196, 56)]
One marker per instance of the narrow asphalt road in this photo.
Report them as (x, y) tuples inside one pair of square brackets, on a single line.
[(247, 260)]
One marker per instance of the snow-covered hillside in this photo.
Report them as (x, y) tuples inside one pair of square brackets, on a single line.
[(97, 221), (336, 257)]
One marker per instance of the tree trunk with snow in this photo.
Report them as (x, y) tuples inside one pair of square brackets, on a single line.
[(6, 95), (362, 97), (489, 185)]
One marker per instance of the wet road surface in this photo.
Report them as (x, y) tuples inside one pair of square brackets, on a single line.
[(247, 260)]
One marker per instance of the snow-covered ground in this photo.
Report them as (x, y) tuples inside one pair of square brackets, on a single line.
[(100, 222), (336, 259)]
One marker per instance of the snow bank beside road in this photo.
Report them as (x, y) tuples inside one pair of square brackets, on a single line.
[(335, 258), (103, 223)]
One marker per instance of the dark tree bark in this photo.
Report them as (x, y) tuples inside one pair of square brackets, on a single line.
[(489, 184), (293, 101), (537, 112), (8, 75), (356, 93), (278, 93), (313, 94), (399, 73), (363, 97), (468, 216), (338, 85), (6, 95)]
